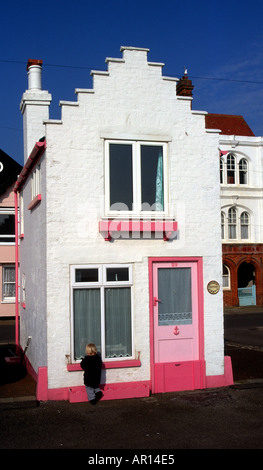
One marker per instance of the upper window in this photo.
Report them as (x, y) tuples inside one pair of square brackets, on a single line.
[(244, 225), (235, 226), (135, 177), (35, 182), (243, 171), (231, 169), (102, 310), (236, 171), (232, 223), (7, 228)]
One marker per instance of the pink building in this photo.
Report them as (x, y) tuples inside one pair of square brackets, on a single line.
[(9, 169)]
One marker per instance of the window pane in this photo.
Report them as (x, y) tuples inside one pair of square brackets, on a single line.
[(7, 227), (152, 178), (175, 294), (87, 323), (117, 274), (118, 322), (121, 181), (231, 169), (9, 286), (243, 171), (87, 275)]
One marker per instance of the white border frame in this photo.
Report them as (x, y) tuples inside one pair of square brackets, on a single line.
[(136, 169)]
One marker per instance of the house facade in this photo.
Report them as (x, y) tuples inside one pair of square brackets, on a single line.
[(121, 235), (9, 170), (241, 181)]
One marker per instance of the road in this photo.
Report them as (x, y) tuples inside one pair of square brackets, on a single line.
[(220, 418)]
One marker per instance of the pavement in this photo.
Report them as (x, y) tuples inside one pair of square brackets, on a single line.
[(219, 418)]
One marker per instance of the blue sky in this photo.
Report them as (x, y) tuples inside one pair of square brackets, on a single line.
[(219, 42)]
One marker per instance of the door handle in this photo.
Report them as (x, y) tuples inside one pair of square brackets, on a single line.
[(155, 300)]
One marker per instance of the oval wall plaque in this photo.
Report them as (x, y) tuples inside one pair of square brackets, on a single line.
[(213, 287)]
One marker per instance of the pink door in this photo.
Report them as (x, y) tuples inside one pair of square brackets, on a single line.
[(176, 348)]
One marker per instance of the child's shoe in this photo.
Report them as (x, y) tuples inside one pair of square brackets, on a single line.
[(98, 395)]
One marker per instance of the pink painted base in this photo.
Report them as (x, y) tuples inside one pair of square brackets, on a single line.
[(138, 389)]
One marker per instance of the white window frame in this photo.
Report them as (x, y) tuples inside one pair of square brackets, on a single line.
[(102, 284), (236, 225), (227, 277), (7, 212), (36, 182), (136, 173), (243, 169), (245, 223), (231, 167), (7, 299)]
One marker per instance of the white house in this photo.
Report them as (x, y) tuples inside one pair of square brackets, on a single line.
[(121, 237), (241, 181)]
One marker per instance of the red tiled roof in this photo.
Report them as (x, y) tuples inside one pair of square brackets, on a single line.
[(228, 124)]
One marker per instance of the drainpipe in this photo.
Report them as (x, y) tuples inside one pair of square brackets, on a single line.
[(16, 271)]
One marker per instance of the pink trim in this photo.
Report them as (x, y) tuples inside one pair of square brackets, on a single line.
[(23, 305), (116, 391), (176, 377), (123, 390), (213, 381), (199, 262), (34, 202), (42, 384), (16, 272), (108, 365), (166, 227), (36, 153)]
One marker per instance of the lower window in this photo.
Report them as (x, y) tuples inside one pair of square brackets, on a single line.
[(102, 310), (9, 283)]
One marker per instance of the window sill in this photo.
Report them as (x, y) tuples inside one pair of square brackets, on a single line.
[(34, 202), (108, 365), (23, 305), (108, 227)]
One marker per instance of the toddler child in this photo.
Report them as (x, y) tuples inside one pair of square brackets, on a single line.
[(91, 364)]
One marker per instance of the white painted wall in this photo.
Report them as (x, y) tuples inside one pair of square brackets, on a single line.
[(247, 197), (133, 100)]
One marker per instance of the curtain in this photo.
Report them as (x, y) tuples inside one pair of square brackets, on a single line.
[(118, 322), (87, 322), (9, 282), (175, 294), (159, 183)]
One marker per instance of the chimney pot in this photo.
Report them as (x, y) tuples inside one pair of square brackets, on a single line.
[(34, 68), (184, 86)]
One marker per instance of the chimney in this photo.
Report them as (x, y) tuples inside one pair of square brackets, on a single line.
[(34, 68), (34, 107), (184, 86)]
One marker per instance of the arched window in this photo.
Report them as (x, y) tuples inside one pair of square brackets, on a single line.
[(222, 225), (243, 167), (231, 169), (226, 277), (232, 223), (221, 170), (244, 225)]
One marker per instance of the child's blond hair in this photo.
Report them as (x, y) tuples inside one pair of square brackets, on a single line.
[(91, 349)]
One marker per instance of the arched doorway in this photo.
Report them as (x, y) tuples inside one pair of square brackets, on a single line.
[(246, 284)]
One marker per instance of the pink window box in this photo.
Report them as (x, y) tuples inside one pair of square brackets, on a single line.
[(109, 365), (166, 227)]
